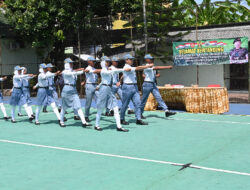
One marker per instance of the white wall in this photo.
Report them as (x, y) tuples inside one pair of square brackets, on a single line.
[(22, 56), (187, 75)]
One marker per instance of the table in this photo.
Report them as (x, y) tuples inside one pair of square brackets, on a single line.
[(212, 100)]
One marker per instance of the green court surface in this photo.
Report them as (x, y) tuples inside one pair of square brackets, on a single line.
[(48, 157)]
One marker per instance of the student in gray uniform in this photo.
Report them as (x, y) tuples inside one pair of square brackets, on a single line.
[(26, 92), (116, 89), (1, 101), (52, 87), (70, 97), (17, 93), (105, 93), (130, 90), (150, 86), (91, 84), (43, 95)]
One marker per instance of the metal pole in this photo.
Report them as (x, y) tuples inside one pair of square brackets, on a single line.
[(196, 35), (248, 81), (1, 64), (79, 59), (131, 32), (145, 26)]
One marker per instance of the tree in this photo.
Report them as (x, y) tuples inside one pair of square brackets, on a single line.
[(45, 24), (208, 12), (164, 15)]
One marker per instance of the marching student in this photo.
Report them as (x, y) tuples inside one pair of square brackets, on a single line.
[(90, 86), (130, 90), (150, 86), (105, 93), (18, 94), (43, 95), (70, 98), (52, 87), (1, 101), (26, 92), (116, 89)]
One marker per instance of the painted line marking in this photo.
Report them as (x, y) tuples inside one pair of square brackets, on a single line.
[(211, 121), (126, 157)]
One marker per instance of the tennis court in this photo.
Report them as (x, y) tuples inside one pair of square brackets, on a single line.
[(147, 157)]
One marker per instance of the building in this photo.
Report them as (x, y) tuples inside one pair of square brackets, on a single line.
[(14, 52), (234, 77)]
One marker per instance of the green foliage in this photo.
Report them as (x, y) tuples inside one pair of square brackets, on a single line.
[(47, 23), (44, 22), (208, 12)]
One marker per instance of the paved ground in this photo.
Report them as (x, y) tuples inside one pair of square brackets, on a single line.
[(50, 157)]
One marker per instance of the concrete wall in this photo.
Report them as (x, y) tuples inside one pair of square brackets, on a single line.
[(187, 75), (9, 58)]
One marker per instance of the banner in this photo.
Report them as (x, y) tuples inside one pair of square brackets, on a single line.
[(210, 52)]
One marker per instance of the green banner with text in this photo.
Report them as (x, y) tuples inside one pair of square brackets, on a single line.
[(210, 52)]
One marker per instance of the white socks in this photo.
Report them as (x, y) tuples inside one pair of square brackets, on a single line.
[(27, 110), (117, 117), (3, 110), (30, 109), (81, 115), (53, 105)]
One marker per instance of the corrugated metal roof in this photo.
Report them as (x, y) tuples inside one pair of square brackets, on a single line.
[(213, 33)]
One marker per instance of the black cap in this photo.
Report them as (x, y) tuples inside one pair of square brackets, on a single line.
[(237, 40)]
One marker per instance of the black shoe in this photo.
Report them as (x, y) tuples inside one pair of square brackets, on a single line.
[(84, 125), (112, 112), (62, 125), (108, 114), (45, 111), (33, 116), (87, 119), (143, 117), (122, 129), (131, 112), (76, 117), (13, 121), (98, 128), (20, 115), (6, 118), (37, 123), (59, 109), (30, 119), (123, 122), (140, 122), (169, 113)]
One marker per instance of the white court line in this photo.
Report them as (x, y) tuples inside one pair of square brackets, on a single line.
[(125, 157), (212, 121)]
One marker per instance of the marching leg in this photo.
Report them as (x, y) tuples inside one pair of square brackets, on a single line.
[(118, 121), (20, 111), (81, 115), (76, 115), (62, 117), (13, 114), (98, 118), (38, 109), (28, 112), (31, 111), (4, 111), (53, 105)]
